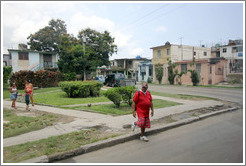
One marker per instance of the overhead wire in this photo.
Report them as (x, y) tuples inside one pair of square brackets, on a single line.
[(141, 18)]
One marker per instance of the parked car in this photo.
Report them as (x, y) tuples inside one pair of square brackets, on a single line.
[(101, 78), (118, 79)]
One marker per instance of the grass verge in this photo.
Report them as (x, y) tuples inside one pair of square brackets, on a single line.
[(22, 124), (123, 109), (52, 145)]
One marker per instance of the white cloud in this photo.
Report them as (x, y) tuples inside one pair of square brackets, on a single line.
[(80, 21), (26, 28), (22, 19), (122, 40), (137, 51), (161, 29)]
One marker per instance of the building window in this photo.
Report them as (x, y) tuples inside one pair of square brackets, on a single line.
[(23, 56), (183, 67), (113, 63), (205, 53), (168, 51), (224, 50), (235, 49), (159, 54), (210, 70)]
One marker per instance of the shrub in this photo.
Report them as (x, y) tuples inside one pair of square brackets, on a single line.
[(118, 94), (114, 95), (235, 81), (149, 80), (194, 77), (41, 78), (81, 88), (69, 76), (127, 93), (6, 73)]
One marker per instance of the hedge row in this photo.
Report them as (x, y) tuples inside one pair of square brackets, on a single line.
[(81, 88), (6, 73), (41, 78), (118, 94)]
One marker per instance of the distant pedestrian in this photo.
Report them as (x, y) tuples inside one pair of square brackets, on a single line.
[(13, 94), (29, 88), (27, 99), (142, 102)]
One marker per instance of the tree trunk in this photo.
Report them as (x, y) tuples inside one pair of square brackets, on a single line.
[(84, 74)]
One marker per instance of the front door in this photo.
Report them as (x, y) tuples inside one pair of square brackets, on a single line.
[(47, 60)]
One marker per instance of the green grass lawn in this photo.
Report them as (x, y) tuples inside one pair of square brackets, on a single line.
[(124, 108), (55, 96), (22, 124), (51, 145)]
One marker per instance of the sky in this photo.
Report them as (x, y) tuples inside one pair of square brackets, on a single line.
[(136, 26)]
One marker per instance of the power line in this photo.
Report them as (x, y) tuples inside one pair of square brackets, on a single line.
[(146, 15), (163, 14)]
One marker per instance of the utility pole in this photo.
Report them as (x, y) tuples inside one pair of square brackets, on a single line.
[(181, 48), (84, 40)]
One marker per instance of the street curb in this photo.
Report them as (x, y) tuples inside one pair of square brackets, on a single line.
[(120, 139)]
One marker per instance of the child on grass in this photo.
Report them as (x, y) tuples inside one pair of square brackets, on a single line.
[(27, 100)]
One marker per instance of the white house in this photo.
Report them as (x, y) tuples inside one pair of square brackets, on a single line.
[(25, 59), (233, 52), (145, 71)]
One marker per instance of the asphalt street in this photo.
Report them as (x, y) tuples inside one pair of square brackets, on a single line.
[(218, 139), (227, 94)]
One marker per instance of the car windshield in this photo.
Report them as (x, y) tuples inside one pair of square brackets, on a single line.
[(119, 76)]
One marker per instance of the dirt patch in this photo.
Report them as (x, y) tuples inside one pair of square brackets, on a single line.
[(193, 113), (35, 113)]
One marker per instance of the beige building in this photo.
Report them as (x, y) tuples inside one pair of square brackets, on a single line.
[(176, 53)]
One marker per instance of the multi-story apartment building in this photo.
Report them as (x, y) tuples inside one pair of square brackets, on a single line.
[(127, 66), (176, 53), (233, 52)]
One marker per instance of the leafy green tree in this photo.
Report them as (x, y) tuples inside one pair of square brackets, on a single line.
[(47, 38), (65, 62), (159, 72), (102, 46), (171, 73)]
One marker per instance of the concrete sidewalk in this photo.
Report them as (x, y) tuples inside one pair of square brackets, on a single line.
[(85, 119)]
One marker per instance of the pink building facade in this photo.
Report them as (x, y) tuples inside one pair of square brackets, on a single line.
[(211, 71)]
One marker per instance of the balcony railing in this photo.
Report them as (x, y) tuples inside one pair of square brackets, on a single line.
[(44, 65), (49, 64)]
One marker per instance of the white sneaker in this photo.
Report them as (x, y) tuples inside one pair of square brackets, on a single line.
[(144, 138), (133, 126)]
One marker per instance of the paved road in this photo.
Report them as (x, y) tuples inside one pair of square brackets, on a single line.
[(217, 139), (228, 94)]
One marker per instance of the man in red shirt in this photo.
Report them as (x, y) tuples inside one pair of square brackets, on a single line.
[(142, 102)]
